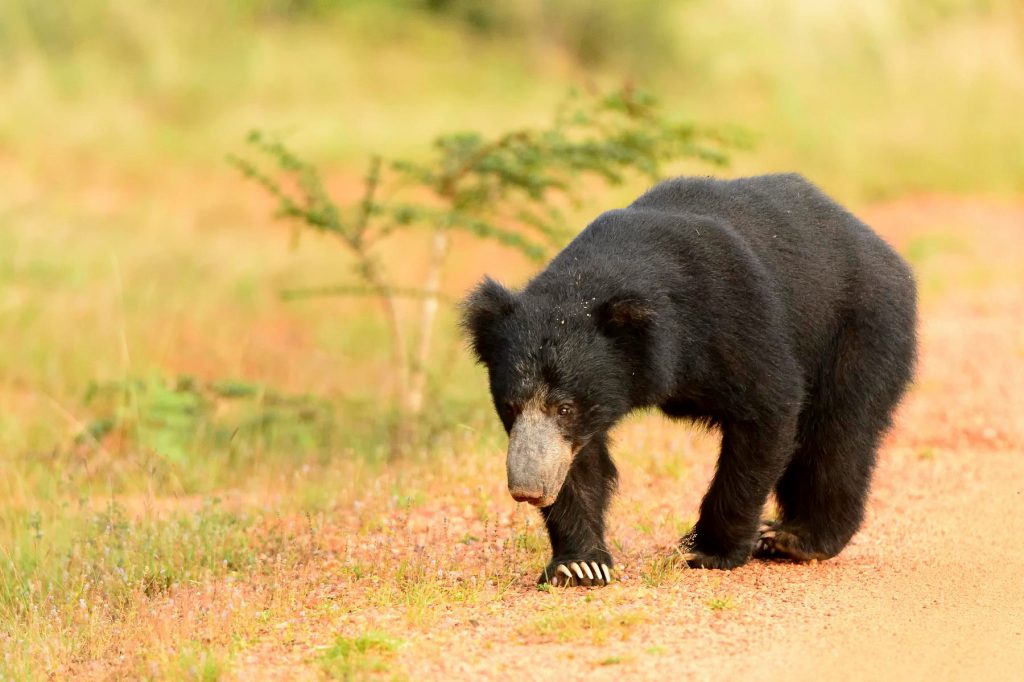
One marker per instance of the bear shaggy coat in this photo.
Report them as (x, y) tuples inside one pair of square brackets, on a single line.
[(758, 306)]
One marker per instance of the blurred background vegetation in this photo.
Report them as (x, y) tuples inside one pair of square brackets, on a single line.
[(132, 255), (872, 98), (146, 349)]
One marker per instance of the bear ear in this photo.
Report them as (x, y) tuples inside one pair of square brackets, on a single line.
[(624, 313), (486, 305)]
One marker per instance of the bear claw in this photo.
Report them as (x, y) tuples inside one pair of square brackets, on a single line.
[(782, 545), (569, 574), (697, 559)]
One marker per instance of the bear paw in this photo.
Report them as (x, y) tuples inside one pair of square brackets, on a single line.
[(695, 559), (568, 573), (780, 544)]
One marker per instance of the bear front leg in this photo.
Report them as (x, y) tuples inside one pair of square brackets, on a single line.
[(752, 459), (575, 522)]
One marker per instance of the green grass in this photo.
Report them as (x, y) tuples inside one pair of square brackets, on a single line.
[(70, 574), (721, 603), (57, 557), (196, 662), (582, 620), (352, 658), (659, 570)]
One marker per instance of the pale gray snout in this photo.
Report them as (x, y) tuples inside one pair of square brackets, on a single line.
[(538, 459)]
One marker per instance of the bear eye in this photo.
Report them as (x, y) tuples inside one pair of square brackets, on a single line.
[(565, 409), (512, 408)]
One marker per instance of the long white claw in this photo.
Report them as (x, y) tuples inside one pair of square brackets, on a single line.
[(576, 568), (564, 571), (607, 574), (586, 569), (597, 571), (689, 556)]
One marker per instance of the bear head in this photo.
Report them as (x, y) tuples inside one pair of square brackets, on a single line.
[(562, 370)]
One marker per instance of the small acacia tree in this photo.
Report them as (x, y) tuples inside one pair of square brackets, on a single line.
[(509, 189)]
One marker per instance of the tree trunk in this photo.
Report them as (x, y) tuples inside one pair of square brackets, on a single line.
[(400, 433), (428, 314)]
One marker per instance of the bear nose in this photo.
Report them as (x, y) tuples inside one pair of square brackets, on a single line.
[(519, 494)]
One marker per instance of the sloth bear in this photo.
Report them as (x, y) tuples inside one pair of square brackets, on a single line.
[(758, 306)]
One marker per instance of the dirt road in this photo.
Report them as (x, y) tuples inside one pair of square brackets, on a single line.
[(931, 589)]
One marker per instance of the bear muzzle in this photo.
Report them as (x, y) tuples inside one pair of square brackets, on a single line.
[(538, 459)]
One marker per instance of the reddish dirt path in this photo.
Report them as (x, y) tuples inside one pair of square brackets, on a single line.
[(931, 588)]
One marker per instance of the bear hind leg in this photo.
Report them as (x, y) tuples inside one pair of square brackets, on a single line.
[(823, 491), (821, 496)]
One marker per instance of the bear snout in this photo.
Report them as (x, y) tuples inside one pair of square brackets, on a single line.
[(534, 497), (538, 459)]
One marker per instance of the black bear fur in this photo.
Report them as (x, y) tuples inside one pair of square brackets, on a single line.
[(756, 305)]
